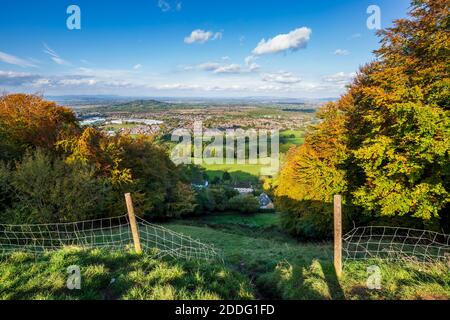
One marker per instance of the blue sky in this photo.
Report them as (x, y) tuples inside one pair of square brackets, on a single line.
[(182, 48)]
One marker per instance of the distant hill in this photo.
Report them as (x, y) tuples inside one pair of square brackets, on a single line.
[(141, 105), (135, 106), (109, 103)]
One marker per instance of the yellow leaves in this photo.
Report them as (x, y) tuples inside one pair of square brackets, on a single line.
[(388, 137), (121, 177)]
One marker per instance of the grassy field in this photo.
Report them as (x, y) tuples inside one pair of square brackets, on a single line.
[(117, 275), (290, 138), (260, 262), (238, 172), (252, 172), (282, 268)]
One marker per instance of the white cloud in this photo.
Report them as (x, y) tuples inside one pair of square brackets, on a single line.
[(221, 68), (55, 57), (282, 77), (77, 82), (137, 66), (229, 68), (177, 86), (202, 36), (251, 64), (10, 59), (341, 52), (207, 66), (294, 40), (199, 87), (340, 78), (12, 78)]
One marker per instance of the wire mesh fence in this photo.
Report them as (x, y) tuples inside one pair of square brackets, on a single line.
[(109, 233), (395, 243)]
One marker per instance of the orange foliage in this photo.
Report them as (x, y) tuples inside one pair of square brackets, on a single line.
[(29, 120)]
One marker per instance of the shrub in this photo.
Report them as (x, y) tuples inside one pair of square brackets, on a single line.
[(244, 204), (5, 187), (47, 190), (214, 198), (183, 202), (205, 201)]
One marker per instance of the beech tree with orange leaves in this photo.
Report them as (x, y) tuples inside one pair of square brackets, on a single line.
[(385, 144), (30, 121)]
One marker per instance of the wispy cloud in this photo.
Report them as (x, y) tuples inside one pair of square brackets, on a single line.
[(229, 68), (11, 78), (281, 77), (166, 6), (355, 36), (10, 59), (137, 66), (55, 57), (251, 64), (341, 52), (224, 68), (294, 40), (340, 78), (202, 36)]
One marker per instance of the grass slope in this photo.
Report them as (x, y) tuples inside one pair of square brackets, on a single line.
[(117, 275), (282, 268), (260, 262)]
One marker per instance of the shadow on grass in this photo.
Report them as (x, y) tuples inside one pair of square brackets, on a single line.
[(311, 280), (109, 275)]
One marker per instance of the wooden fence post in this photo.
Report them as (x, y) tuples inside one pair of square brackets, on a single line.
[(338, 234), (133, 224)]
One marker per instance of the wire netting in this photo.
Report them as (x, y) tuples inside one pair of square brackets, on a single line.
[(394, 243), (109, 233)]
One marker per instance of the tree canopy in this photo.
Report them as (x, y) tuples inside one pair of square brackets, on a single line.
[(51, 169), (385, 144)]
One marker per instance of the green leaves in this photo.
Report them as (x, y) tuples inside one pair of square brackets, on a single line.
[(385, 144)]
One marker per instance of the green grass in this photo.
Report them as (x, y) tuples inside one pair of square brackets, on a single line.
[(290, 138), (116, 127), (262, 220), (238, 172), (261, 262), (117, 275), (282, 268)]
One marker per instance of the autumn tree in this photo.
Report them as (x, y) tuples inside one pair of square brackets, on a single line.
[(43, 143), (30, 121), (386, 146), (137, 165)]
